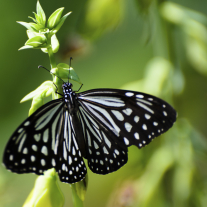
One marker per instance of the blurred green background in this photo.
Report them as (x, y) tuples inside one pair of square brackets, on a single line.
[(153, 46)]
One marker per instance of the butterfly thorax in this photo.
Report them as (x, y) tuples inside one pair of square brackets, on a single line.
[(69, 96)]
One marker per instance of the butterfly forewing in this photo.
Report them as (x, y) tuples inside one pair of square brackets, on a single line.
[(134, 117), (46, 140)]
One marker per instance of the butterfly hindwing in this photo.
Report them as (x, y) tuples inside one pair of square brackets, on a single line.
[(105, 153), (71, 165), (135, 117)]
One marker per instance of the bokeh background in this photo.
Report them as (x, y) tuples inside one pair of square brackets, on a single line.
[(158, 47)]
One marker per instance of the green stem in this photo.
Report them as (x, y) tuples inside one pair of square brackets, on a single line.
[(56, 80), (77, 202), (51, 57)]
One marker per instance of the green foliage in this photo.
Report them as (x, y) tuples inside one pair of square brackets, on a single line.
[(41, 36), (99, 17), (46, 191), (65, 72)]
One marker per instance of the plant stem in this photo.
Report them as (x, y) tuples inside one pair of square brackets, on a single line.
[(56, 80), (51, 57)]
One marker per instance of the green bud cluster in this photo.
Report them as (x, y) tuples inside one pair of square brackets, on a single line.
[(42, 32)]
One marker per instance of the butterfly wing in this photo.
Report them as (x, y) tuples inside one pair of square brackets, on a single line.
[(104, 154), (46, 140), (133, 117)]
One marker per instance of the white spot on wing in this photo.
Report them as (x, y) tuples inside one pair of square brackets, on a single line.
[(69, 160), (128, 126), (136, 135), (20, 130), (53, 162), (136, 119), (127, 111), (139, 96), (26, 123), (32, 158), (25, 151), (147, 116), (129, 94), (44, 150), (37, 137), (144, 126), (11, 157), (126, 141), (34, 147), (118, 115), (43, 163)]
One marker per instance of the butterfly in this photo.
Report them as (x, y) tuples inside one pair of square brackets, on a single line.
[(98, 125)]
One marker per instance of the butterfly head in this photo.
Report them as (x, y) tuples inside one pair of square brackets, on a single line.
[(67, 87)]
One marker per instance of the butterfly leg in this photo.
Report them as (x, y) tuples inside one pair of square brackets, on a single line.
[(57, 90)]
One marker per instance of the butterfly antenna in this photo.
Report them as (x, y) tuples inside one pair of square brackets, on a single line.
[(69, 68), (40, 66)]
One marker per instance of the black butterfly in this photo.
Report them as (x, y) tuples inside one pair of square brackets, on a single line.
[(98, 125)]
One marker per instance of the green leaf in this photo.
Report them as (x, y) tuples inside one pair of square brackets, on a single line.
[(36, 17), (41, 14), (37, 26), (54, 43), (54, 18), (33, 19), (29, 26), (55, 30), (44, 90), (46, 191), (26, 47), (31, 34), (37, 41), (64, 72), (37, 102)]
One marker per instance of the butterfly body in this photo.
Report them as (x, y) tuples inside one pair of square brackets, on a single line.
[(70, 98), (98, 125)]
